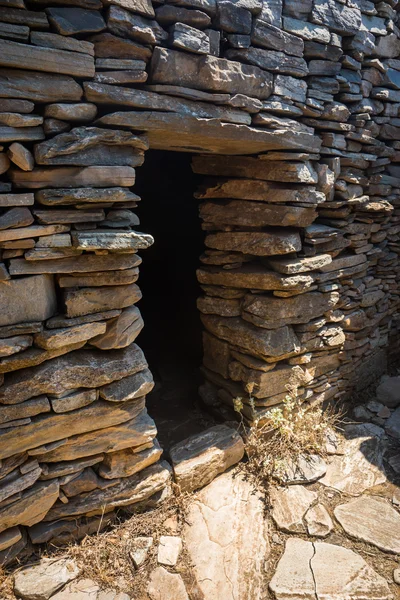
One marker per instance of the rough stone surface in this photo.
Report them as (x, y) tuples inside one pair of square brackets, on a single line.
[(360, 467), (44, 580), (289, 506), (199, 459), (372, 520), (226, 524)]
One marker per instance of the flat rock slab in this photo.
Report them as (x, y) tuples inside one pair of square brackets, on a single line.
[(305, 469), (289, 506), (164, 585), (199, 459), (373, 520), (169, 131), (45, 579), (360, 467), (27, 299), (39, 87), (312, 571), (226, 537), (77, 369)]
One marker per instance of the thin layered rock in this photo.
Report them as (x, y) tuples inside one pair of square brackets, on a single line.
[(291, 112)]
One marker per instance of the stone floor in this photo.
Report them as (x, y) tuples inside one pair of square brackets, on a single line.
[(332, 532)]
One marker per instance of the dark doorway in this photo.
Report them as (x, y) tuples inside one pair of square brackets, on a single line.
[(171, 338)]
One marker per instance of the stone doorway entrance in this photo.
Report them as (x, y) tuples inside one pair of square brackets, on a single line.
[(171, 339)]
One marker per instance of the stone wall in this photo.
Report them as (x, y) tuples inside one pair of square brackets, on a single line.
[(291, 113)]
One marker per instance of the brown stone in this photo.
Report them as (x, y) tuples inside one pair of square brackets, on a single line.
[(252, 277), (39, 87), (127, 462), (14, 54), (254, 168), (208, 73), (85, 301), (121, 96), (111, 46), (85, 263), (272, 342), (199, 459), (77, 369), (30, 408), (100, 278), (121, 331), (168, 131), (27, 299), (53, 40), (113, 241), (84, 196), (128, 388), (21, 156), (32, 507), (271, 312), (256, 243), (74, 401), (256, 189), (53, 427), (137, 433), (56, 338), (128, 491), (61, 177)]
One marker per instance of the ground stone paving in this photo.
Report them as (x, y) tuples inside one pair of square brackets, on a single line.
[(349, 549)]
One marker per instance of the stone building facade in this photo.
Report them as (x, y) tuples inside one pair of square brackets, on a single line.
[(290, 110)]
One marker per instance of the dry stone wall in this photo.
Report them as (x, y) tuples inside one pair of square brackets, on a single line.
[(291, 112)]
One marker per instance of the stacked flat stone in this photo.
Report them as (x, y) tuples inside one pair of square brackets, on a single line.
[(292, 112)]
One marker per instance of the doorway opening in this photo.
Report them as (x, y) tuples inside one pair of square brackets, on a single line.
[(172, 335)]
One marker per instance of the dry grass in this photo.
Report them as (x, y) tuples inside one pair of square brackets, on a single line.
[(292, 430), (106, 556)]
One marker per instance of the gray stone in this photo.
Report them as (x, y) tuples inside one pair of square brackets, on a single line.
[(189, 39), (388, 391), (393, 424), (226, 521), (268, 36), (42, 581), (127, 24), (131, 387), (338, 17), (72, 21), (270, 60)]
